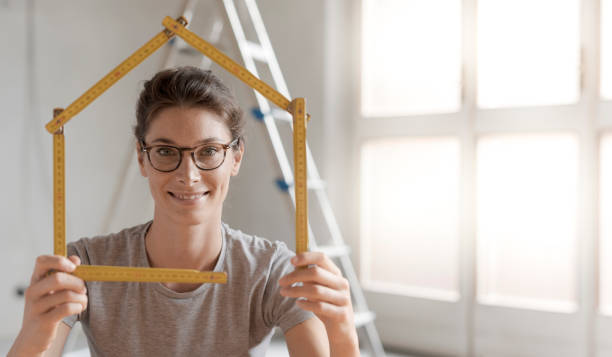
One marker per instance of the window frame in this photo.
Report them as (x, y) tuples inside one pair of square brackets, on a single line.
[(466, 326)]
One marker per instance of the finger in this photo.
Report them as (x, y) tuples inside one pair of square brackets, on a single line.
[(75, 259), (315, 274), (314, 292), (324, 310), (315, 258), (64, 310), (55, 282), (50, 301), (44, 263)]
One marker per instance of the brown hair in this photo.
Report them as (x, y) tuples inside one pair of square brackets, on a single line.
[(187, 87)]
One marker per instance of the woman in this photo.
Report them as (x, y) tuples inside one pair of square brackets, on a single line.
[(190, 142)]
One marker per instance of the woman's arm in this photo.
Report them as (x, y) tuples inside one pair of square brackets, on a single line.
[(307, 339), (57, 347), (326, 293)]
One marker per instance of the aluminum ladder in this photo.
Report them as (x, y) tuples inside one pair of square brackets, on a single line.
[(336, 249)]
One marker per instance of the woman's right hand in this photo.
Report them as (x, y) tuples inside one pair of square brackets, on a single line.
[(49, 299)]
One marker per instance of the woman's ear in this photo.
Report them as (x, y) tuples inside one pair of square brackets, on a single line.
[(238, 153), (140, 155)]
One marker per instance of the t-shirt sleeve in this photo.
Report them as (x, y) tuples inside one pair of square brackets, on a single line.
[(279, 310), (72, 250)]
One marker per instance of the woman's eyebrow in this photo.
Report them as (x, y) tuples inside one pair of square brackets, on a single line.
[(211, 139)]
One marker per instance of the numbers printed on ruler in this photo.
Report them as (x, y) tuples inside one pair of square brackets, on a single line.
[(58, 195), (59, 234), (147, 275), (300, 180)]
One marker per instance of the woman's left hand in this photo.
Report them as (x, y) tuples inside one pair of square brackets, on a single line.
[(326, 293)]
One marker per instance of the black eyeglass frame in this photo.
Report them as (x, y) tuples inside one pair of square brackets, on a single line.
[(192, 150)]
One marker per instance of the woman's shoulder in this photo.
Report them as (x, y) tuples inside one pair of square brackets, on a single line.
[(254, 259), (111, 248), (254, 246)]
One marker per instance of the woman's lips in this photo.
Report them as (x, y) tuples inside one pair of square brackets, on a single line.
[(188, 197)]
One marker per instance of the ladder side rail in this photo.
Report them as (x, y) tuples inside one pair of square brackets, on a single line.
[(188, 9), (277, 145), (350, 275), (328, 214), (264, 105), (281, 156), (170, 52), (375, 342), (362, 306), (264, 40), (215, 37)]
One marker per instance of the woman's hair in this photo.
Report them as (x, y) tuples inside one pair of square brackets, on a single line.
[(187, 87)]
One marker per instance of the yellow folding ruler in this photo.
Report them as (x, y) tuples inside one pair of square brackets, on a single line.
[(61, 117), (299, 166)]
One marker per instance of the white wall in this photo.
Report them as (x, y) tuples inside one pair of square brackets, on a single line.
[(73, 44)]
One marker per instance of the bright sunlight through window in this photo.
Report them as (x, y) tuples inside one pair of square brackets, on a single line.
[(411, 57), (409, 215), (526, 220), (528, 54)]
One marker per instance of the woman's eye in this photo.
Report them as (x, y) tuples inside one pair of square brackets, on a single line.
[(208, 151), (165, 151)]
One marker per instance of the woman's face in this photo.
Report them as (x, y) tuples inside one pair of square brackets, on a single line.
[(189, 195)]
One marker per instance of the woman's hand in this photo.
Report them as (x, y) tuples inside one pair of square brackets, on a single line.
[(326, 293), (49, 298)]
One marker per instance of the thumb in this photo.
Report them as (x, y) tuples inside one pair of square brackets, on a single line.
[(75, 259)]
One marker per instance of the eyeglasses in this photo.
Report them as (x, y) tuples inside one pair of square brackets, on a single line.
[(167, 158)]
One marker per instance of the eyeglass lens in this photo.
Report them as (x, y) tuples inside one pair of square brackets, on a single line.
[(167, 158)]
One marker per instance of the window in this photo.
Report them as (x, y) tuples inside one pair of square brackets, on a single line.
[(411, 57), (416, 179), (526, 220), (534, 63), (478, 175)]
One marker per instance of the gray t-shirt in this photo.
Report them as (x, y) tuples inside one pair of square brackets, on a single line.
[(148, 319)]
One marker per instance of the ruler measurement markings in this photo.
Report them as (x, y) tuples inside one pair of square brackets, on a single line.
[(299, 162)]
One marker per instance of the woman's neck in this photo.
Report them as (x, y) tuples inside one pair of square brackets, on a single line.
[(185, 246)]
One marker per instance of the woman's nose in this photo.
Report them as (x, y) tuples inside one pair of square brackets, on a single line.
[(187, 171)]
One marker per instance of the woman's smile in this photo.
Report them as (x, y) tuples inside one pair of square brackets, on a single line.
[(188, 198)]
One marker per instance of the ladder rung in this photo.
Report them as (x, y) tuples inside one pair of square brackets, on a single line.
[(333, 251), (364, 317), (256, 51), (312, 184), (276, 114)]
